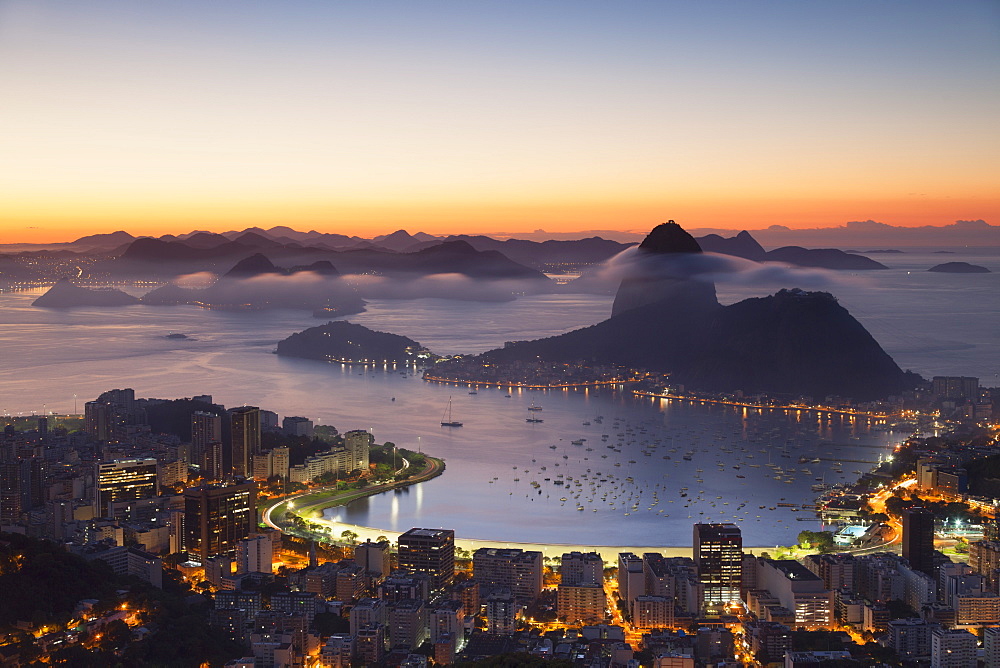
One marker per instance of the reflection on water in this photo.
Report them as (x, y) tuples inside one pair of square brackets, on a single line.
[(623, 490)]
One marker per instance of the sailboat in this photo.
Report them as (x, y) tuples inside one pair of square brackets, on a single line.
[(532, 418), (533, 407), (446, 420)]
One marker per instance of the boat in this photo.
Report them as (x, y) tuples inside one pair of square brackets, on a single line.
[(533, 419), (447, 420), (533, 407)]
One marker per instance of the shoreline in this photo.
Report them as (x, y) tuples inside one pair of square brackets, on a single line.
[(608, 552), (523, 386)]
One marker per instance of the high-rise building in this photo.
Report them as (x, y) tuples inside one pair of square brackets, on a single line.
[(211, 462), (955, 387), (581, 568), (918, 539), (430, 551), (513, 570), (97, 420), (952, 648), (358, 443), (256, 554), (218, 517), (297, 426), (205, 428), (718, 556), (124, 480), (109, 416), (244, 432), (373, 558)]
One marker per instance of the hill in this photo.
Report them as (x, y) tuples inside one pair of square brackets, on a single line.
[(66, 295), (345, 341), (794, 342)]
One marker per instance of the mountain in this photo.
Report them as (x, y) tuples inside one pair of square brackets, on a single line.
[(103, 241), (256, 283), (656, 274), (959, 268), (794, 342), (66, 295), (398, 241), (342, 340), (742, 245), (872, 234), (255, 265), (541, 254), (459, 257)]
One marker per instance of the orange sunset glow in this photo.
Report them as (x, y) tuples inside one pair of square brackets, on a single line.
[(164, 120)]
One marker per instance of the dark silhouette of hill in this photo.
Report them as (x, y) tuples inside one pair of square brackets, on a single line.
[(66, 295), (255, 265), (256, 283), (742, 245), (159, 258), (795, 342), (345, 340), (959, 268), (654, 276), (823, 258)]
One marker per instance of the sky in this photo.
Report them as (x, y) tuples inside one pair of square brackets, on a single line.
[(159, 116)]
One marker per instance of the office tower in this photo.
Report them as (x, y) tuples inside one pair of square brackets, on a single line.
[(244, 432), (513, 570), (97, 420), (211, 462), (430, 551), (718, 558), (124, 480), (218, 517), (357, 443), (205, 428), (918, 539)]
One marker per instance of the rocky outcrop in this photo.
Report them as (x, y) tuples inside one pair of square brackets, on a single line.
[(656, 273)]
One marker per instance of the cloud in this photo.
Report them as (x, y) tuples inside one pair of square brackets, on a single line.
[(707, 267), (442, 286)]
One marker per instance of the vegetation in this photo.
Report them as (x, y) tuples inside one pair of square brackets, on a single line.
[(816, 540)]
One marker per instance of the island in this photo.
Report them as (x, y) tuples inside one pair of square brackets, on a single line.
[(66, 295), (349, 343), (959, 268)]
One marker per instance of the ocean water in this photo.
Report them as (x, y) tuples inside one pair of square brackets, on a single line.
[(931, 323)]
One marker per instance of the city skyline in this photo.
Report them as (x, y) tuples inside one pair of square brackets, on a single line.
[(363, 119)]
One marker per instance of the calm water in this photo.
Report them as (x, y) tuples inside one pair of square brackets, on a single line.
[(932, 323)]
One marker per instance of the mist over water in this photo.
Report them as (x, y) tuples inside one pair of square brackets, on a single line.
[(931, 323)]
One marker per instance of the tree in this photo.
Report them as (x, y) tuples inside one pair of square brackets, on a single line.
[(349, 536), (819, 540)]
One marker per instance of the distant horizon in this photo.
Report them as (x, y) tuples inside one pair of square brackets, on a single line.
[(858, 228), (565, 116)]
